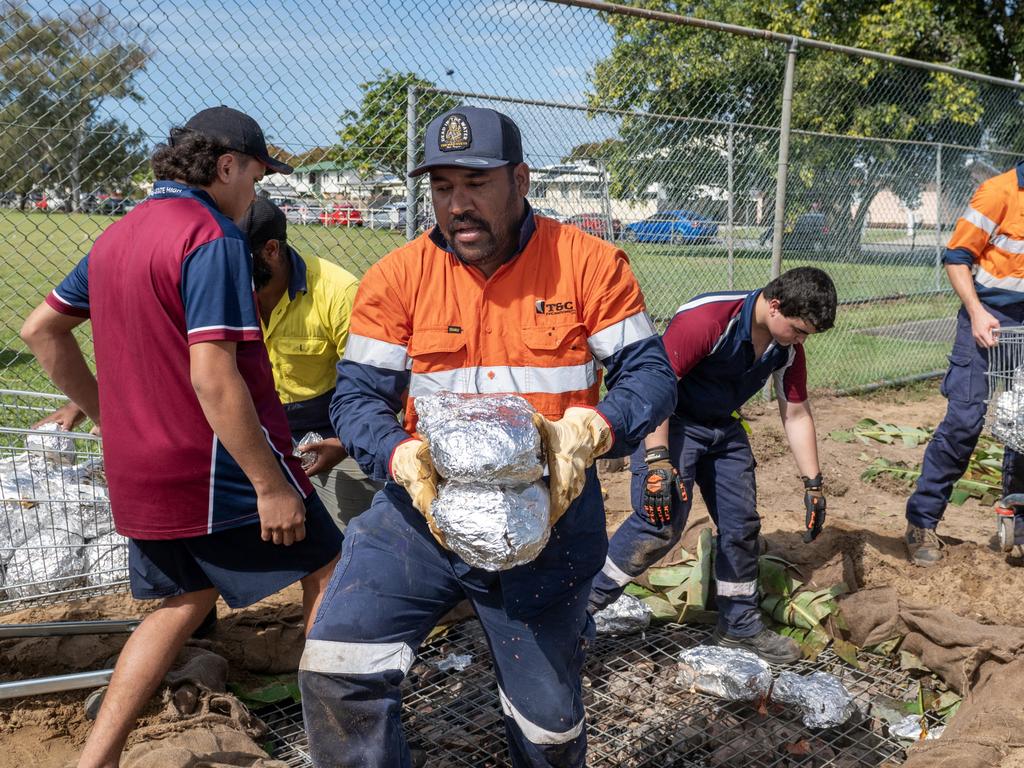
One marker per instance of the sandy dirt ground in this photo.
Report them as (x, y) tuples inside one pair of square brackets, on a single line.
[(864, 520)]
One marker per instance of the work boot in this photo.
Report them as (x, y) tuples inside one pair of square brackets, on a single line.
[(923, 545), (770, 646)]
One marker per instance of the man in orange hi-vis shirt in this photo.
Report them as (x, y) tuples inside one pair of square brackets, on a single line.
[(985, 263), (493, 299)]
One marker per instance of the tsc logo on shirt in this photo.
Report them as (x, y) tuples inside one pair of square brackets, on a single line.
[(554, 307)]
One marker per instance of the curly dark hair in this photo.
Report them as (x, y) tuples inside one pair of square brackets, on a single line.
[(189, 157), (806, 293)]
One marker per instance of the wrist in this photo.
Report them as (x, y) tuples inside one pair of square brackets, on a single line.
[(656, 453), (812, 483)]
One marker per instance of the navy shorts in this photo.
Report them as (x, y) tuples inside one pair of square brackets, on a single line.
[(237, 562)]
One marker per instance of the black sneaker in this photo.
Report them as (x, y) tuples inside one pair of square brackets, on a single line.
[(770, 646)]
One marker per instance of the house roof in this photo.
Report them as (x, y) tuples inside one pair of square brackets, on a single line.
[(323, 165)]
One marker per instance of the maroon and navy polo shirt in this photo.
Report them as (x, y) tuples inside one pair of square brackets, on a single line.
[(709, 346), (173, 272)]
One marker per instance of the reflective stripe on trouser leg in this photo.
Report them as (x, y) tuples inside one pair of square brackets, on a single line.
[(639, 543), (538, 663), (389, 589), (726, 479), (949, 451)]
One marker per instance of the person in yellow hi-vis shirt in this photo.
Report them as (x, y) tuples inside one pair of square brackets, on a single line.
[(305, 303)]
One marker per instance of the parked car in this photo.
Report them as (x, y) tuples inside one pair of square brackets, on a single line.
[(388, 216), (596, 224), (679, 226), (809, 233), (114, 206), (341, 215), (302, 211), (551, 213)]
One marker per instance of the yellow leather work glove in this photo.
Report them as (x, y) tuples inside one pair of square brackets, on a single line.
[(412, 468), (570, 445)]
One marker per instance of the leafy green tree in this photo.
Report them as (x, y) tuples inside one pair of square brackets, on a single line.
[(55, 73), (373, 138), (700, 81)]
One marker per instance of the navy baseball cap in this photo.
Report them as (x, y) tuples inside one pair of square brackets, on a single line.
[(262, 222), (471, 137), (236, 131)]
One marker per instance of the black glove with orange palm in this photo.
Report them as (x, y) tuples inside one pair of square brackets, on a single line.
[(661, 478)]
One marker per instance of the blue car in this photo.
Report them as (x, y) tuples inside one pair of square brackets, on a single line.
[(672, 227)]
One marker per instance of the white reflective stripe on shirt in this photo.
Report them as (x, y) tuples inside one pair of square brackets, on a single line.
[(533, 732), (1005, 283), (1008, 244), (980, 220), (330, 657), (736, 588), (381, 354), (616, 574), (617, 336), (485, 379)]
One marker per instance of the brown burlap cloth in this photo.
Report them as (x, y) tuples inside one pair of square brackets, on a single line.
[(983, 663), (200, 725)]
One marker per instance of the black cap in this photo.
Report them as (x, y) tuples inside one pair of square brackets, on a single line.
[(471, 137), (235, 130), (262, 222)]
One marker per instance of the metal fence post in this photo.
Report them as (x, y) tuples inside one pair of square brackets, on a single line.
[(780, 183), (938, 217), (731, 157), (606, 200), (410, 163)]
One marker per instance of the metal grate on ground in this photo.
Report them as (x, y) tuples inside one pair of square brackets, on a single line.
[(637, 716)]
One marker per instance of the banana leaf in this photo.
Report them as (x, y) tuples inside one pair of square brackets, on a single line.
[(699, 583), (671, 576), (846, 651), (637, 591), (804, 609), (775, 576), (662, 609)]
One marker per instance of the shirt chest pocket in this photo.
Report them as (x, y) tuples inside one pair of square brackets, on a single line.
[(547, 343), (306, 361), (437, 346)]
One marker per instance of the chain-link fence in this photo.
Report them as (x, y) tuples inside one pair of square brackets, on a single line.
[(714, 157)]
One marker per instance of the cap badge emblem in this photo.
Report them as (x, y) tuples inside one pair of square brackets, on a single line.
[(454, 135)]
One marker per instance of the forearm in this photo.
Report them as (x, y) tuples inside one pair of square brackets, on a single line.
[(364, 414), (48, 335), (962, 280), (641, 393), (803, 441), (658, 437), (230, 412)]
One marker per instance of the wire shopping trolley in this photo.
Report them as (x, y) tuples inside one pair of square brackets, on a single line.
[(1005, 416), (57, 538)]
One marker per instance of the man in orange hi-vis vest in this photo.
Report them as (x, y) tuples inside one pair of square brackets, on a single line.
[(985, 263), (493, 299)]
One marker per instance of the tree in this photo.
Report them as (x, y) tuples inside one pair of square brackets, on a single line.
[(55, 73), (702, 81), (374, 137)]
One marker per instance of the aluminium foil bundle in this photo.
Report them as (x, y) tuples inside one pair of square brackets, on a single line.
[(487, 439), (728, 673), (821, 697), (626, 616), (493, 527)]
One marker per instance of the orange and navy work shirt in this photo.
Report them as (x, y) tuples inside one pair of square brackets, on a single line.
[(564, 310), (989, 237)]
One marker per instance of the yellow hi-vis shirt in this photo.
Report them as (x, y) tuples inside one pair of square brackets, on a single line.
[(308, 329)]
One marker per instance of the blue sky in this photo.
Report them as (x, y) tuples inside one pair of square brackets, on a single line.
[(296, 65)]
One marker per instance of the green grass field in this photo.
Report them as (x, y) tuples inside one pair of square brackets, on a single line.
[(42, 248)]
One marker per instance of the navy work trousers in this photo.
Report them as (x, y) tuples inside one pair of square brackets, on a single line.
[(390, 588), (965, 386), (719, 461)]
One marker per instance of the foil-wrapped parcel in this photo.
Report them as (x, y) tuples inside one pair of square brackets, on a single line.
[(491, 505), (491, 526), (821, 697), (51, 443), (106, 559), (625, 616), (50, 560), (728, 673), (487, 439)]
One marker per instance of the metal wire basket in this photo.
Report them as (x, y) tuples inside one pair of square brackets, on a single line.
[(57, 539), (1005, 417)]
